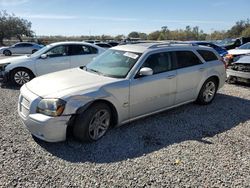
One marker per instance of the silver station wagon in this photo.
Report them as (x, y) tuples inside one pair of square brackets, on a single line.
[(121, 85)]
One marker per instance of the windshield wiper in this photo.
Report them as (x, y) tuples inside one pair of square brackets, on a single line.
[(96, 71)]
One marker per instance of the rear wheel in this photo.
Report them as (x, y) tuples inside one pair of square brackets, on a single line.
[(93, 123), (207, 92), (21, 76), (7, 53)]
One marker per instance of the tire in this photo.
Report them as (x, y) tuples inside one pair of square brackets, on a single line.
[(33, 51), (21, 76), (207, 92), (7, 53), (87, 127)]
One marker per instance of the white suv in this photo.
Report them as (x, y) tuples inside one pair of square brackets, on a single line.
[(121, 85), (51, 58)]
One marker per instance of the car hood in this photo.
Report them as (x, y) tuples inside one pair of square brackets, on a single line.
[(238, 52), (65, 83), (3, 48), (244, 60), (14, 60)]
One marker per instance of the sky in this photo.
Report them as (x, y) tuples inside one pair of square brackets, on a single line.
[(113, 17)]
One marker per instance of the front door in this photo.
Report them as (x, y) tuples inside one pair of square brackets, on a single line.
[(57, 59), (151, 93)]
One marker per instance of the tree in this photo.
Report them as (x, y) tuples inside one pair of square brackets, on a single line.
[(238, 28), (154, 35), (133, 34), (13, 26), (143, 36), (246, 32)]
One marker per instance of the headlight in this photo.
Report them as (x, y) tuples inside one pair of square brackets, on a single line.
[(51, 107)]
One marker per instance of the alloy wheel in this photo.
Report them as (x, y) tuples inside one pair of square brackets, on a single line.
[(99, 124), (21, 77), (209, 91)]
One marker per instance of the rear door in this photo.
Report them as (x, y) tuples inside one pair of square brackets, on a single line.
[(81, 55), (57, 59), (189, 74)]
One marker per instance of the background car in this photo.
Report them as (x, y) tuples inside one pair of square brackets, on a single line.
[(229, 44), (51, 58), (222, 51), (234, 54), (103, 45), (21, 48), (239, 70), (113, 43)]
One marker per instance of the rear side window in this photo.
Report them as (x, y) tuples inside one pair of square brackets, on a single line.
[(187, 59), (207, 55), (81, 50)]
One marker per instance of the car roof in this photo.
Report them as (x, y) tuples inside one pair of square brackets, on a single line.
[(142, 47), (73, 42)]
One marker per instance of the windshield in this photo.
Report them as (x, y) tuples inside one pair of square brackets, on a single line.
[(113, 63), (41, 51), (226, 42), (245, 46)]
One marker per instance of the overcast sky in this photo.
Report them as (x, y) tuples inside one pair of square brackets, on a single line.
[(112, 17)]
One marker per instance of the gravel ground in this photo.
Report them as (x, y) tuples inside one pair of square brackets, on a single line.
[(190, 146)]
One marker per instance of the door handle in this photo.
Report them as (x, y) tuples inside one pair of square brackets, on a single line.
[(171, 76), (201, 69)]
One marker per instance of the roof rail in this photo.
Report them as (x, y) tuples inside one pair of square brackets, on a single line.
[(171, 43)]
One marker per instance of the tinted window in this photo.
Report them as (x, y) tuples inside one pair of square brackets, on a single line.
[(186, 59), (207, 55), (103, 45), (160, 62), (27, 45), (19, 45), (58, 51)]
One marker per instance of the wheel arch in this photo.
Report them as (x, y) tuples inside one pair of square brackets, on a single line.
[(114, 112), (213, 76), (24, 68)]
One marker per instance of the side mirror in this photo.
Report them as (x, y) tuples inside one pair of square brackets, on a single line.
[(145, 71), (44, 56)]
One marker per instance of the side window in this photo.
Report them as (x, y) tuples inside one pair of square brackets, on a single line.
[(76, 50), (160, 62), (93, 50), (207, 55), (58, 51), (27, 45), (187, 59), (19, 45)]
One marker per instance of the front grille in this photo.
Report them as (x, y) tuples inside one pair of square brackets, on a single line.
[(24, 106), (241, 67)]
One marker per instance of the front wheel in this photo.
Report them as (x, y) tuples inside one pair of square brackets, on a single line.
[(93, 123), (207, 92), (21, 76), (7, 53)]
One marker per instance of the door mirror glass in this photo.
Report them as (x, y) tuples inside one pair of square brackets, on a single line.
[(44, 56), (145, 71)]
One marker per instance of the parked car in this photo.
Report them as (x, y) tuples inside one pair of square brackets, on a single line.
[(239, 71), (229, 44), (121, 85), (103, 45), (234, 54), (52, 58), (21, 48), (222, 51), (113, 43)]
